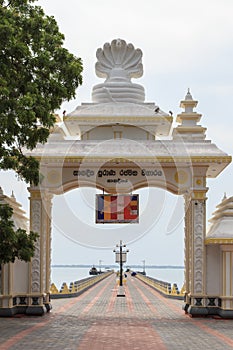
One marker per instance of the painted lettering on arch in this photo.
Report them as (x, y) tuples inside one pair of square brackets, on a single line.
[(151, 172)]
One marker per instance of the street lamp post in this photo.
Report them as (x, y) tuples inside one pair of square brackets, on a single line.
[(121, 259), (121, 265)]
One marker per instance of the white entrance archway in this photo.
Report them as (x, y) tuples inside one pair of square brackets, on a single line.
[(114, 143)]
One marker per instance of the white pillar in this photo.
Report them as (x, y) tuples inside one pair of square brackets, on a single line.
[(39, 272), (195, 254), (227, 277)]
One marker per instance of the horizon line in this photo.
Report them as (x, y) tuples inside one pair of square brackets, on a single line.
[(111, 265)]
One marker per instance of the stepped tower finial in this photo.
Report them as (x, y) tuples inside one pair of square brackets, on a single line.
[(224, 197), (188, 96), (189, 129)]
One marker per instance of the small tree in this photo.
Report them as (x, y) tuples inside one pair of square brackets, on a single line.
[(37, 74), (14, 243)]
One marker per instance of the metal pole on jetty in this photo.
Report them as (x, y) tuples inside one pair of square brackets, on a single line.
[(121, 259), (121, 265)]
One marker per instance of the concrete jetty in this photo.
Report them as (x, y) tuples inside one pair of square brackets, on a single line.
[(99, 320)]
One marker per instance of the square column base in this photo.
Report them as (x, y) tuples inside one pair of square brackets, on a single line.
[(36, 310), (121, 291)]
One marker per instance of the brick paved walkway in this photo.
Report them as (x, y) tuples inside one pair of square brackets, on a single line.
[(99, 320)]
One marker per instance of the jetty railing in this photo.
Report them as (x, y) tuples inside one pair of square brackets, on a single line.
[(78, 287), (165, 288)]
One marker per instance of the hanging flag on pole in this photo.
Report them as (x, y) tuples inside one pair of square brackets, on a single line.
[(117, 208)]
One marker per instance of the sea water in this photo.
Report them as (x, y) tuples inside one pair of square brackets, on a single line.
[(70, 274)]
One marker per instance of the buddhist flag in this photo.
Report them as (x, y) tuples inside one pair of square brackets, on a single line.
[(117, 208)]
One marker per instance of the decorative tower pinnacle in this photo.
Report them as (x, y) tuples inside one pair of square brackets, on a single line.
[(189, 130), (188, 103), (224, 197)]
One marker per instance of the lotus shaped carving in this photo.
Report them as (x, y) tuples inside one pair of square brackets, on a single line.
[(119, 61)]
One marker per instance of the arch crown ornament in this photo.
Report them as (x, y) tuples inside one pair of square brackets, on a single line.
[(118, 62)]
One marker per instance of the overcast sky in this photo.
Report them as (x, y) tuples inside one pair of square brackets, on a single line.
[(185, 45)]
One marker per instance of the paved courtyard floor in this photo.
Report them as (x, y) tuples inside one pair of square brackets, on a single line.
[(99, 320)]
